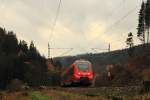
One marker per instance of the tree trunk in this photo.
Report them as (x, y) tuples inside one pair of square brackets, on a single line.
[(148, 35), (144, 40)]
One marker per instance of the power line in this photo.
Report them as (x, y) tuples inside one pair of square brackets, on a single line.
[(66, 52), (55, 20), (120, 20), (116, 7), (100, 49), (53, 26), (107, 30)]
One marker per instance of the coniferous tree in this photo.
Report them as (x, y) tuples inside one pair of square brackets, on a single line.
[(12, 42), (147, 18), (141, 24), (2, 39), (130, 43), (23, 46), (33, 52), (17, 61)]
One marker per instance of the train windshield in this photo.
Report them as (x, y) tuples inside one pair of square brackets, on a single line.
[(83, 67)]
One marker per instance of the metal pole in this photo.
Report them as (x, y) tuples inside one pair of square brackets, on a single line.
[(109, 47)]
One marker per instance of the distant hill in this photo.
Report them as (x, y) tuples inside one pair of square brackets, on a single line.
[(127, 69), (100, 60)]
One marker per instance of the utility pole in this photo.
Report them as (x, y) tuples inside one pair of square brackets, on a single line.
[(109, 47)]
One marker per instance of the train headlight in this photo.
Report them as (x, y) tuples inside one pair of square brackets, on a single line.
[(79, 73), (88, 73)]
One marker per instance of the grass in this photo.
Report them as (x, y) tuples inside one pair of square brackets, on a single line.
[(68, 95), (76, 94), (98, 94), (36, 95)]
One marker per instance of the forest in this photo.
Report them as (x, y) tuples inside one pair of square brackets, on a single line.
[(20, 61)]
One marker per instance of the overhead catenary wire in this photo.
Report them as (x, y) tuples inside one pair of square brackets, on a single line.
[(116, 23), (121, 19), (114, 8), (100, 49), (53, 26), (112, 26), (55, 20), (66, 52), (109, 27)]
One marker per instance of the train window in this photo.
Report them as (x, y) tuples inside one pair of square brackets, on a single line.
[(83, 67)]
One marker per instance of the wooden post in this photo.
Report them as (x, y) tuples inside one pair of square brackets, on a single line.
[(109, 71)]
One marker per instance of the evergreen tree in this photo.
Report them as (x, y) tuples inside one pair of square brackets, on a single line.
[(17, 61), (33, 53), (130, 43), (141, 24), (2, 39), (12, 42), (32, 48), (23, 46), (147, 18), (2, 32)]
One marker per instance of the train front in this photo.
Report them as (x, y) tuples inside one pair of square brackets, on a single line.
[(83, 72)]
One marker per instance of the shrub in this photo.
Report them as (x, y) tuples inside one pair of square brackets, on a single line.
[(15, 85)]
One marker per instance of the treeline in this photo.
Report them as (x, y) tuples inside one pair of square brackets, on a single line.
[(20, 61)]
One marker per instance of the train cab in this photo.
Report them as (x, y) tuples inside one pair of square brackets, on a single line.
[(80, 72)]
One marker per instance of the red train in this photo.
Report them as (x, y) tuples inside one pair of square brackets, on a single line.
[(80, 72)]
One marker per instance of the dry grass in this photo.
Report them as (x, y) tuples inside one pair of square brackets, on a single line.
[(75, 94), (62, 95)]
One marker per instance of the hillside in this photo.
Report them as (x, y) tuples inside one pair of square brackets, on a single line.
[(126, 69), (100, 60)]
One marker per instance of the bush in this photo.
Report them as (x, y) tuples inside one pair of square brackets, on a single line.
[(15, 85), (146, 74), (146, 86)]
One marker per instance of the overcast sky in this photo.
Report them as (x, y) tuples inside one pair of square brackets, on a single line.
[(81, 24)]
